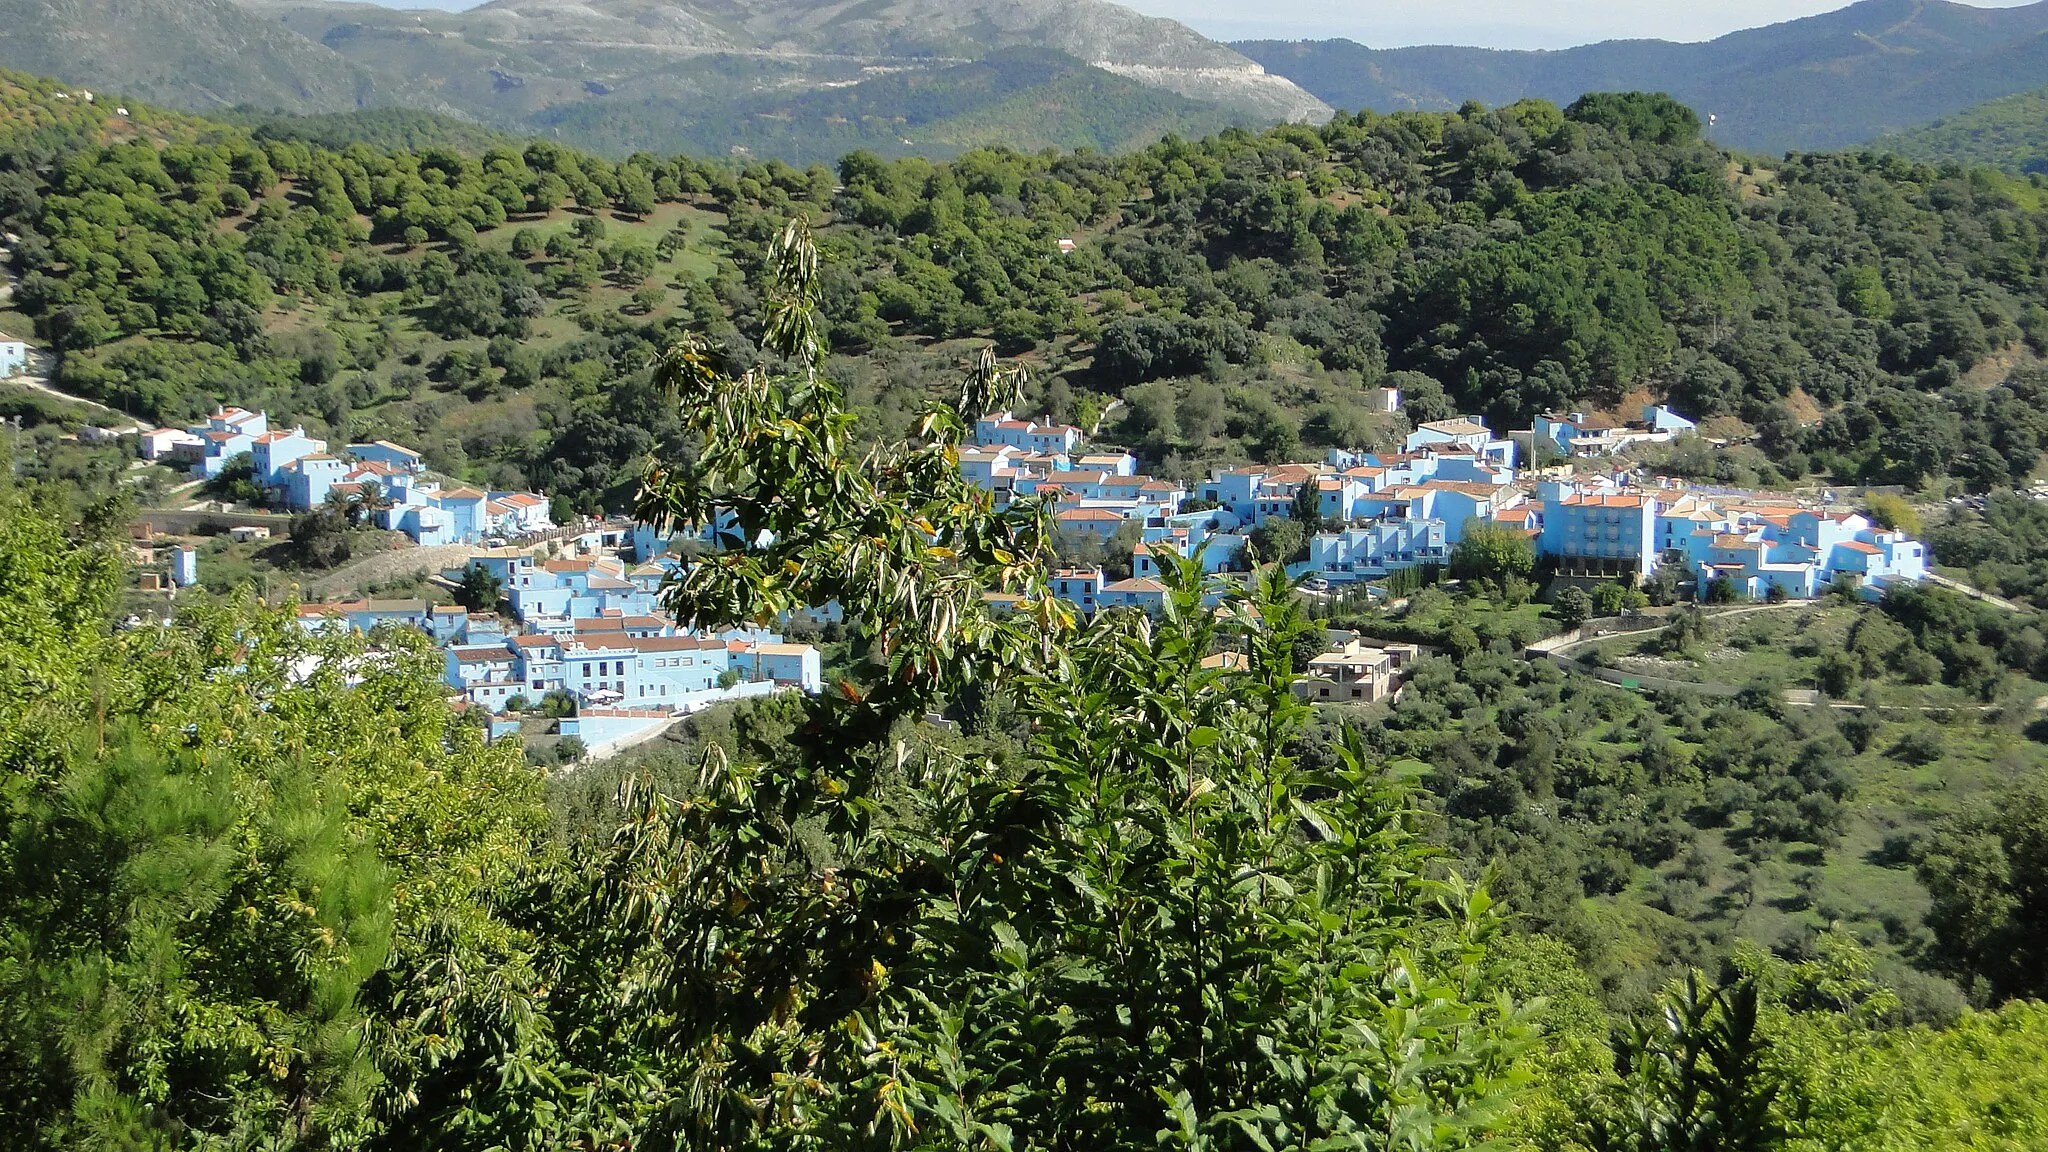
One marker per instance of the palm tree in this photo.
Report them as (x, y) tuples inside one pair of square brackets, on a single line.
[(373, 500), (339, 505)]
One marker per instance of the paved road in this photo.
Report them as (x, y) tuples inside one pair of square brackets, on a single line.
[(123, 423)]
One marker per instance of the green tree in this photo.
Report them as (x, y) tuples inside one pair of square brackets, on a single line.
[(480, 589), (1307, 507), (319, 539), (1987, 871), (636, 192), (1695, 1080), (1279, 540), (1894, 511), (1492, 554), (1863, 293), (219, 835), (994, 964), (1572, 607)]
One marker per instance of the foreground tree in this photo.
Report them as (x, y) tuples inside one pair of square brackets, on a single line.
[(217, 835), (1155, 928)]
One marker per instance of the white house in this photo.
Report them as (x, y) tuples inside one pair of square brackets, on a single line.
[(163, 443), (1468, 433)]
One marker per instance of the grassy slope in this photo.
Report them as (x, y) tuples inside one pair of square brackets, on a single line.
[(1856, 882), (432, 413)]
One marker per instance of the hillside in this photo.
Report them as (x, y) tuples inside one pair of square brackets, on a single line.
[(628, 75), (1018, 98), (292, 836), (2009, 133), (1825, 81), (195, 54)]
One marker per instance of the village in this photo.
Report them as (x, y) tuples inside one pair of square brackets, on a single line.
[(299, 474), (585, 643), (582, 636), (563, 623), (1589, 520)]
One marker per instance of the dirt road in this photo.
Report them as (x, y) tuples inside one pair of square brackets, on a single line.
[(378, 567)]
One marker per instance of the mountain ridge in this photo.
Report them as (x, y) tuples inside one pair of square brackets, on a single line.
[(1831, 80), (193, 54), (515, 57)]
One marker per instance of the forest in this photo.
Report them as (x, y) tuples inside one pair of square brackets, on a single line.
[(1844, 318), (1831, 319)]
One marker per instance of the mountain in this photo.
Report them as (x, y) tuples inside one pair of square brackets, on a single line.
[(193, 54), (1825, 81), (2010, 132), (1022, 98), (715, 74)]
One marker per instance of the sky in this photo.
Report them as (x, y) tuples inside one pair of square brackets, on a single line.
[(1481, 23)]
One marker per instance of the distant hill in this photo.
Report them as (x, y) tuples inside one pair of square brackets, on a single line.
[(1826, 81), (2010, 132), (711, 75), (1023, 98), (193, 54), (804, 80)]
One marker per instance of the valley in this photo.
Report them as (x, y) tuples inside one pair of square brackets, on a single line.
[(906, 576)]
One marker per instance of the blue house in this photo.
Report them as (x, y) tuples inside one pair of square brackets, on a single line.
[(384, 452)]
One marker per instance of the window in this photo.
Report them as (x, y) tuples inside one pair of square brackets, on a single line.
[(586, 668)]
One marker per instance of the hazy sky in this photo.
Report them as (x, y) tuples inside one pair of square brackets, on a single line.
[(1487, 23)]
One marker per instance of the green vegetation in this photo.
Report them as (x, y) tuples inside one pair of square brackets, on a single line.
[(2002, 546), (2006, 133), (379, 129), (264, 886), (1228, 299)]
